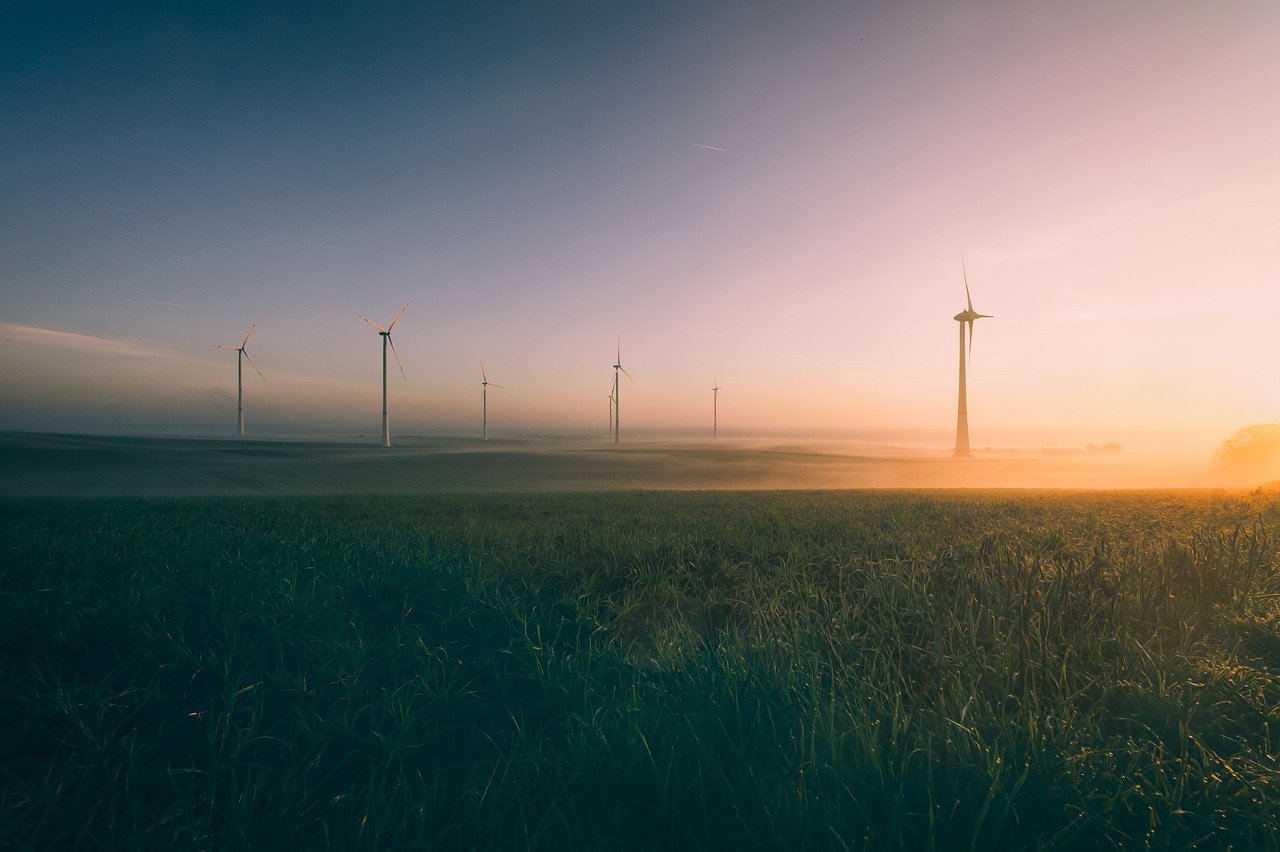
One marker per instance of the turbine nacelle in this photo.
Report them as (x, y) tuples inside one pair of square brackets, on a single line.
[(966, 317), (243, 351), (386, 335)]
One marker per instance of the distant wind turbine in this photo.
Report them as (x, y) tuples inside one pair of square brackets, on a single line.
[(715, 408), (242, 353), (968, 315), (610, 398), (617, 409), (386, 341), (485, 384)]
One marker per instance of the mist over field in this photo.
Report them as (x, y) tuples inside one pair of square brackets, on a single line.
[(65, 465)]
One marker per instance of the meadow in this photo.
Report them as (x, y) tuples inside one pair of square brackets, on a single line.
[(799, 669)]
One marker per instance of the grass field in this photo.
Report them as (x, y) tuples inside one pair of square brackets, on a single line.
[(821, 670)]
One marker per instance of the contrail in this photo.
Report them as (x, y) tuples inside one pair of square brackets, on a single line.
[(128, 210), (700, 145)]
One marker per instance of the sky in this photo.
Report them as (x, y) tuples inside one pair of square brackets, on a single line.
[(776, 197)]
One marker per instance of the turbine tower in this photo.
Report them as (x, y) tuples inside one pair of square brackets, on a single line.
[(485, 384), (241, 354), (715, 408), (386, 341), (610, 398), (968, 315), (617, 407)]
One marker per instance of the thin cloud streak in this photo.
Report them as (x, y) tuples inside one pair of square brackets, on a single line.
[(128, 210), (638, 238), (1216, 305), (37, 336), (706, 147), (156, 302)]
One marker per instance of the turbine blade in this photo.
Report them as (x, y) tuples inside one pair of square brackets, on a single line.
[(397, 319), (625, 373), (968, 301), (492, 385), (970, 356), (379, 328), (253, 365), (231, 348), (484, 380), (249, 334), (397, 356)]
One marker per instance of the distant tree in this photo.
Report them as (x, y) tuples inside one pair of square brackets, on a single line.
[(1252, 454)]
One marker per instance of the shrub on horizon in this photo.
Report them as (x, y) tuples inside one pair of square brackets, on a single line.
[(1252, 454)]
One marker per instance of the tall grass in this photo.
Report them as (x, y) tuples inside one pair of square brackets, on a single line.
[(802, 670)]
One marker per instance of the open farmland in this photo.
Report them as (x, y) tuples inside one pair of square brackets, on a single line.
[(647, 669)]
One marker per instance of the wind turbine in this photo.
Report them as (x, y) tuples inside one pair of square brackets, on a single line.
[(386, 341), (715, 408), (617, 409), (610, 398), (484, 393), (968, 315), (241, 353)]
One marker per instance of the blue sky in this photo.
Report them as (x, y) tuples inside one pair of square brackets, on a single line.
[(777, 196)]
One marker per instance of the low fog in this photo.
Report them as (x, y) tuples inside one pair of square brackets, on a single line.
[(69, 465)]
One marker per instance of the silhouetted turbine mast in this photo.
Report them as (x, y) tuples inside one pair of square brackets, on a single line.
[(715, 408), (617, 408), (242, 353), (386, 341), (485, 384), (965, 317)]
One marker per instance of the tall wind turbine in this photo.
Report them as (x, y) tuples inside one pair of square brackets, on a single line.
[(715, 408), (617, 409), (386, 341), (485, 384), (968, 315), (241, 354)]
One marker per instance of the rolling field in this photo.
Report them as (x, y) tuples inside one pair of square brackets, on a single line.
[(822, 670), (40, 465)]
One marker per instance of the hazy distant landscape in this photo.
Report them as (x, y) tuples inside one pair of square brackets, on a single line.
[(97, 466)]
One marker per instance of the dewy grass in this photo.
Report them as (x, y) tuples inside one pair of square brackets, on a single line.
[(759, 670)]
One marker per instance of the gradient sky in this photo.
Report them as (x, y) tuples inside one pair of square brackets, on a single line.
[(777, 195)]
